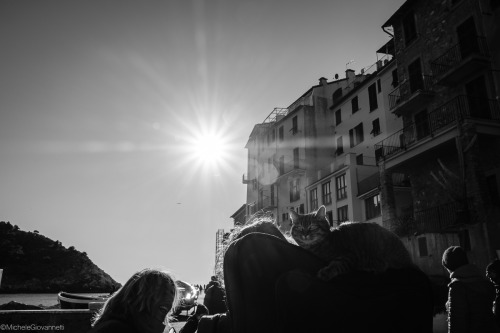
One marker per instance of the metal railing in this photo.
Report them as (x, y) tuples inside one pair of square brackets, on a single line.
[(442, 117), (404, 91), (458, 52), (432, 220)]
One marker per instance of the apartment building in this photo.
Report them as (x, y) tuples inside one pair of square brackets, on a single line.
[(449, 146), (285, 151), (349, 184)]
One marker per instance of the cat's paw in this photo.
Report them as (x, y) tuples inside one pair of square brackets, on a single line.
[(327, 273)]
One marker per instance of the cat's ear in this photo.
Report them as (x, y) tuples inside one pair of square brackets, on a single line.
[(321, 212), (293, 216)]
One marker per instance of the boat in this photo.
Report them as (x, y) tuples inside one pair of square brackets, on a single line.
[(77, 301)]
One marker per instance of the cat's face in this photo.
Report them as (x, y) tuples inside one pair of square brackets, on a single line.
[(309, 229)]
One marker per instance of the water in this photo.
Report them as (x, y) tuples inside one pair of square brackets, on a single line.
[(34, 299)]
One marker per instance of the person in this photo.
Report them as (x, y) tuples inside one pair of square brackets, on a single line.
[(215, 298), (493, 274), (140, 306), (191, 324), (271, 286), (470, 295)]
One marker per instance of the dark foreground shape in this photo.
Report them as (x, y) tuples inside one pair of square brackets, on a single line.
[(271, 287)]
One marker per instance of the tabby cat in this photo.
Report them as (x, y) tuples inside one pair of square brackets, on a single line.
[(353, 246)]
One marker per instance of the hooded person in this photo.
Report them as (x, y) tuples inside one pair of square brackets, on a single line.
[(470, 295)]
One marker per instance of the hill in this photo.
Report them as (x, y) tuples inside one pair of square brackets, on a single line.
[(33, 263)]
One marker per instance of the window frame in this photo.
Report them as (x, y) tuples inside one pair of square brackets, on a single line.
[(326, 193), (345, 214), (373, 211), (313, 199), (355, 104), (341, 187)]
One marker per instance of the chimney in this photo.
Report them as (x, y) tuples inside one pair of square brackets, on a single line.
[(349, 74), (322, 81)]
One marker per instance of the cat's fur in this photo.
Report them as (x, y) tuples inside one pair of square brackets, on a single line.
[(353, 246)]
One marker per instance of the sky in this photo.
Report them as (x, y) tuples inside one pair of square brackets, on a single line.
[(123, 123)]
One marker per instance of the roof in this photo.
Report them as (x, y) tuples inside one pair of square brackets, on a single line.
[(239, 211)]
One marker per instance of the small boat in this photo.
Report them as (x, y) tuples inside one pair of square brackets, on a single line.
[(76, 301)]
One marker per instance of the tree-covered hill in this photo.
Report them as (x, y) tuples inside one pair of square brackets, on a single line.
[(33, 263)]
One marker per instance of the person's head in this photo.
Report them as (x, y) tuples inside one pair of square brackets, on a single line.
[(144, 300), (493, 271), (454, 257)]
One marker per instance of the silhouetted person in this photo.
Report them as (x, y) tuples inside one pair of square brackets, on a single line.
[(215, 298), (493, 273), (470, 295)]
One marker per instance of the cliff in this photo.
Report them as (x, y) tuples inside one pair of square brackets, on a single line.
[(33, 263)]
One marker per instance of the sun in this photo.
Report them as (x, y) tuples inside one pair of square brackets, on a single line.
[(209, 148)]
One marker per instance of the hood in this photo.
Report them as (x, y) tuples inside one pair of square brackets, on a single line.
[(467, 273)]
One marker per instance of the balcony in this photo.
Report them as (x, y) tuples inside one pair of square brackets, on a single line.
[(460, 62), (440, 219), (411, 94), (443, 117)]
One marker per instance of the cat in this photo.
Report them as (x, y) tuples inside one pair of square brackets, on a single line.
[(352, 246)]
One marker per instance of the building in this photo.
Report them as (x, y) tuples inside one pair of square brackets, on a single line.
[(448, 149), (288, 148), (239, 217), (348, 185)]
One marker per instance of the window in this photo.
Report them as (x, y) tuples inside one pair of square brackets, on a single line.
[(359, 159), (415, 76), (422, 124), (372, 207), (294, 190), (409, 28), (341, 187), (329, 216), (342, 214), (338, 117), (354, 104), (340, 146), (356, 135), (422, 247), (280, 133), (395, 79), (282, 165), (294, 125), (284, 217), (296, 158), (375, 127), (261, 199), (337, 95), (327, 193), (372, 95), (273, 135), (314, 199), (379, 86), (301, 209)]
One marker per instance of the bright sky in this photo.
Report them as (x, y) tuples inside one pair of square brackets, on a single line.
[(111, 113)]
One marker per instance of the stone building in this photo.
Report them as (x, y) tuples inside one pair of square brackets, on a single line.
[(448, 63)]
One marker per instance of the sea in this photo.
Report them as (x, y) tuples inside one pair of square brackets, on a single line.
[(35, 299)]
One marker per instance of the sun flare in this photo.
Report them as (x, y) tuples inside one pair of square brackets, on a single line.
[(209, 148)]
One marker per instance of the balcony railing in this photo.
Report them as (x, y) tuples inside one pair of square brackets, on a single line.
[(457, 53), (432, 220), (405, 90), (439, 119)]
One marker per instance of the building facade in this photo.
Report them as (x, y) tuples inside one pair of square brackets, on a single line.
[(447, 55)]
